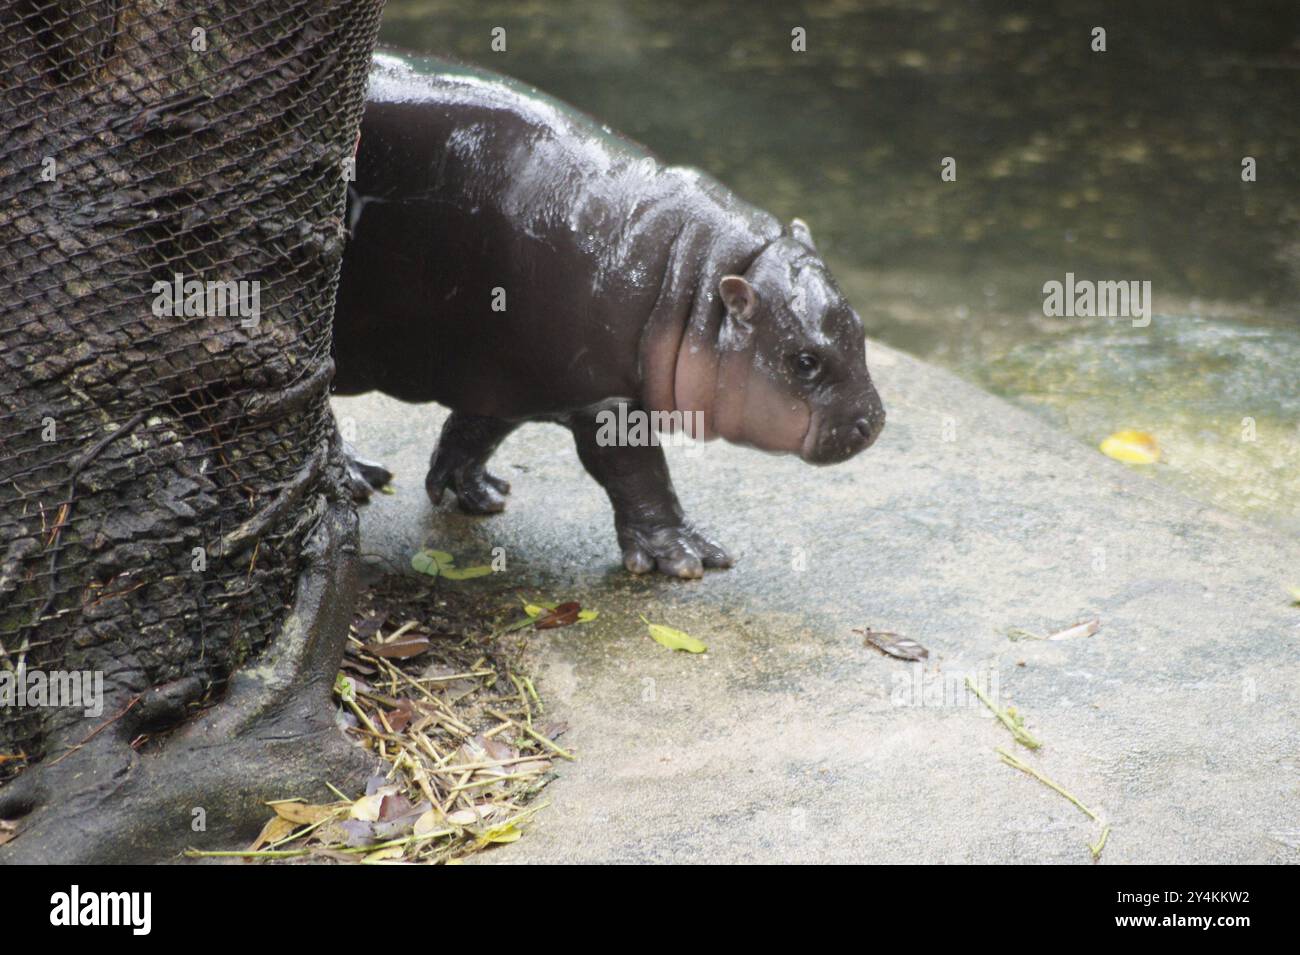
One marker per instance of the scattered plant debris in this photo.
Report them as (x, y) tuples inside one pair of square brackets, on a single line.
[(438, 695), (1015, 763), (1010, 717), (1084, 629), (892, 644)]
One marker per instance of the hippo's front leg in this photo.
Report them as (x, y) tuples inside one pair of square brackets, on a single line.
[(459, 462), (652, 530)]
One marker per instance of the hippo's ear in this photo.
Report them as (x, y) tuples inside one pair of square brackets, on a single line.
[(739, 297), (799, 229)]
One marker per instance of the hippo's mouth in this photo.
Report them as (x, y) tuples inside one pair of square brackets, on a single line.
[(840, 441)]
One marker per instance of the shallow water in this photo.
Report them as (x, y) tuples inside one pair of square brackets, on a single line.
[(1117, 165)]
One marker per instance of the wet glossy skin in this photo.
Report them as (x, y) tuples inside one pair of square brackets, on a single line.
[(473, 191)]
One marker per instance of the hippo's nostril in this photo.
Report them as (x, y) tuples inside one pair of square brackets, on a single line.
[(864, 427)]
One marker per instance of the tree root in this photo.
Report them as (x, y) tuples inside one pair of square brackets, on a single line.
[(273, 736)]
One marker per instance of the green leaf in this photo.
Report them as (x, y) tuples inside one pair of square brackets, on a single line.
[(465, 573), (345, 689), (425, 563), (673, 639)]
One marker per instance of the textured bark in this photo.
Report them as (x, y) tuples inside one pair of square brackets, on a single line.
[(172, 497)]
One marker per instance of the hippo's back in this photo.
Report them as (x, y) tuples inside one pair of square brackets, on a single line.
[(498, 236)]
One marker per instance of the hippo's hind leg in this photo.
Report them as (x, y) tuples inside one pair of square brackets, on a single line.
[(458, 463), (652, 530)]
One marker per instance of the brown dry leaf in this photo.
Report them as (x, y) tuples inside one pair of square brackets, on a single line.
[(399, 717), (301, 814), (393, 827), (894, 645), (406, 646), (384, 855), (562, 616), (276, 828), (393, 807)]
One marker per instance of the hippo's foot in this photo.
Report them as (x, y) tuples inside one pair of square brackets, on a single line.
[(477, 491), (678, 550), (459, 463), (364, 477)]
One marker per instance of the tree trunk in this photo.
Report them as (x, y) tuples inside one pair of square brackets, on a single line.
[(173, 513)]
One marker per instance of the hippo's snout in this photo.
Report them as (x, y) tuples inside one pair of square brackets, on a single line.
[(834, 441), (870, 425)]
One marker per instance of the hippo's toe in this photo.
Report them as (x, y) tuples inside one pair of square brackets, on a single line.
[(677, 551)]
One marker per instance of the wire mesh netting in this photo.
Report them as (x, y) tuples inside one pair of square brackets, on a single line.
[(172, 182)]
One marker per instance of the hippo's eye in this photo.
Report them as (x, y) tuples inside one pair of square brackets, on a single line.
[(807, 365)]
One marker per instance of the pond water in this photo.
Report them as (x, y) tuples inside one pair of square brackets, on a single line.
[(1116, 165)]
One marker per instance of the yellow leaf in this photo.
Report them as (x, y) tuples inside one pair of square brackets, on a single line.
[(367, 807), (276, 828), (1132, 447), (301, 814), (674, 639), (428, 822), (506, 832)]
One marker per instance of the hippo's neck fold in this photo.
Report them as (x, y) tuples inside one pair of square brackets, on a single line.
[(680, 349)]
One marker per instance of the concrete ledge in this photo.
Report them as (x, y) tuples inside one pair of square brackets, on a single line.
[(789, 741)]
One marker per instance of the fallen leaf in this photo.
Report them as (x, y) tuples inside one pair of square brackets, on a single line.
[(465, 573), (431, 561), (1133, 447), (394, 806), (1085, 629), (276, 828), (561, 616), (399, 717), (403, 648), (400, 824), (466, 817), (537, 610), (429, 822), (301, 814), (359, 832), (368, 807), (672, 638), (904, 648), (506, 832), (439, 563)]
